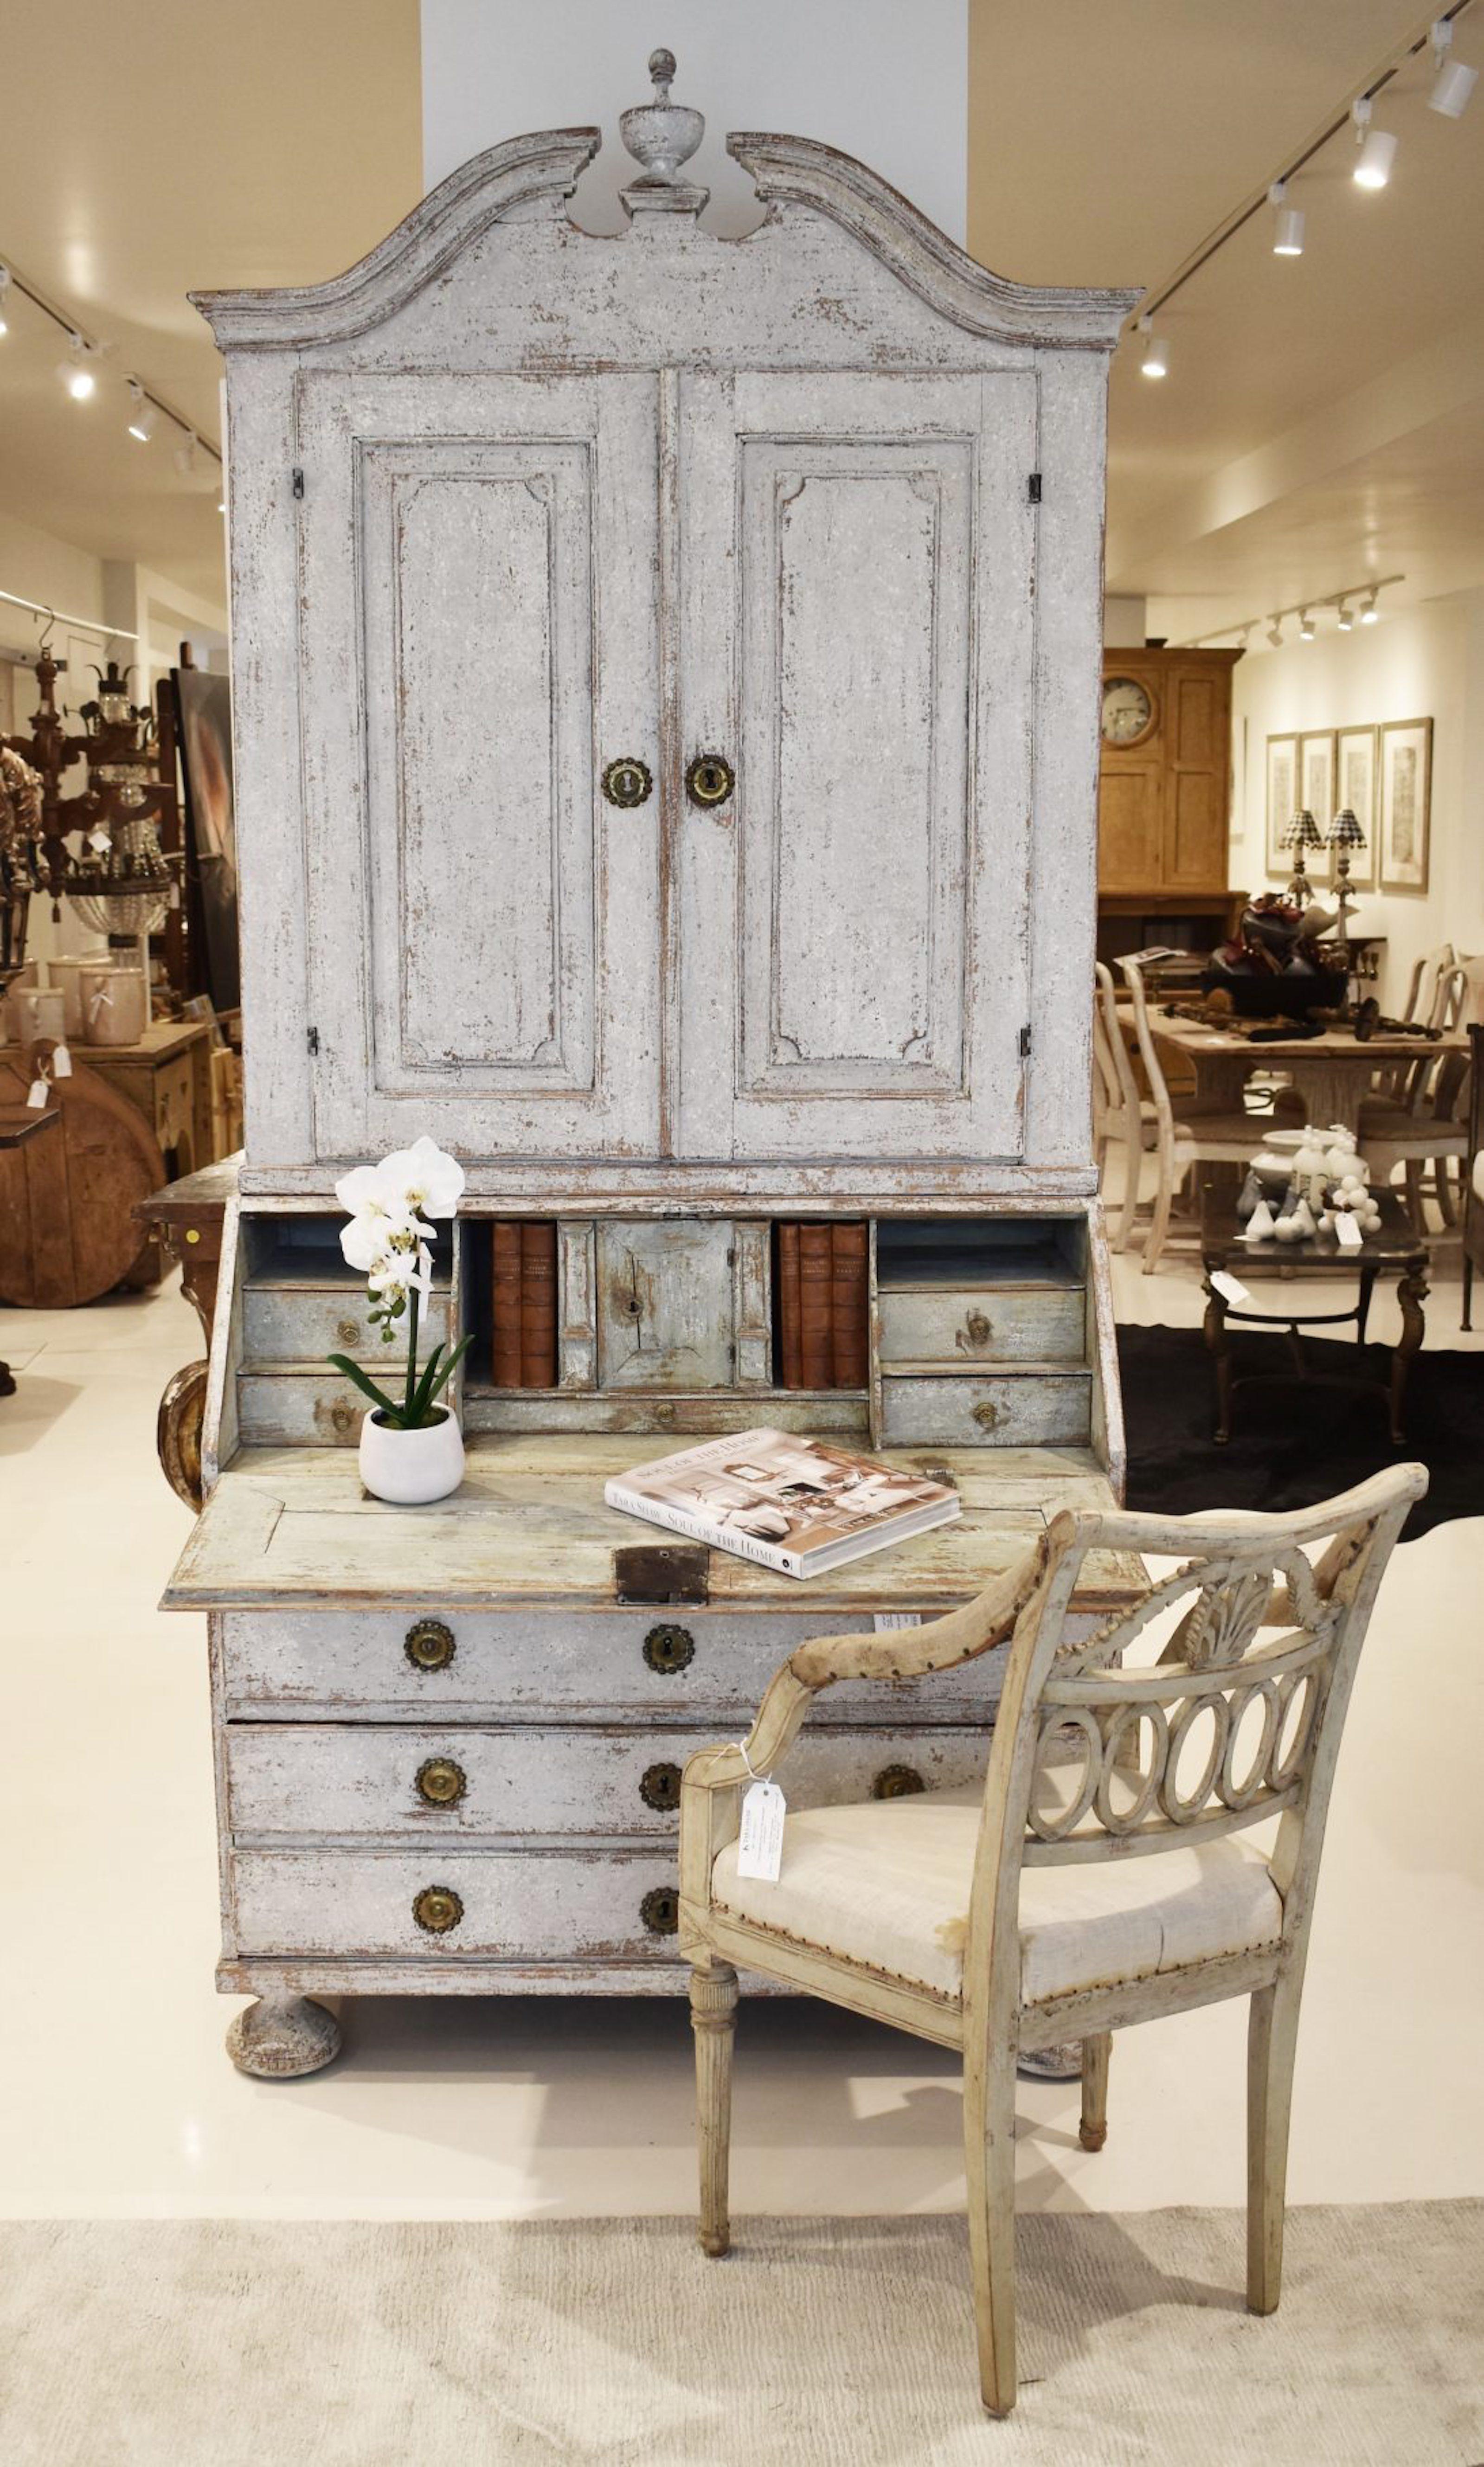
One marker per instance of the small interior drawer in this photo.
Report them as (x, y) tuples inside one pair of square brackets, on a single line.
[(984, 1324), (307, 1322), (1025, 1408)]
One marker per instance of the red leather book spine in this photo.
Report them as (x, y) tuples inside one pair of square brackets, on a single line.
[(851, 1355), (816, 1306), (506, 1356), (538, 1305), (790, 1353)]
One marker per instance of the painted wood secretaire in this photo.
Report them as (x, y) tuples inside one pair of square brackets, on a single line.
[(667, 678)]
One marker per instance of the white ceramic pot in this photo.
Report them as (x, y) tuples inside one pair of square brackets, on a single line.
[(39, 1012), (114, 1003), (408, 1468)]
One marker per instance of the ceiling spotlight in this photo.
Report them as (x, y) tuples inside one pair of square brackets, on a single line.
[(1288, 232), (1378, 147), (1156, 350), (5, 285), (1453, 83), (142, 413), (1275, 633), (186, 454), (1344, 618), (73, 372), (1305, 627), (1370, 615)]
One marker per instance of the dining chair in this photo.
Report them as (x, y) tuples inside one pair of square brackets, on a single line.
[(1119, 1114), (1103, 1874), (1430, 1125), (1226, 1139)]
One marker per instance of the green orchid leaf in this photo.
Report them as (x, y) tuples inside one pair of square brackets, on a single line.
[(368, 1386)]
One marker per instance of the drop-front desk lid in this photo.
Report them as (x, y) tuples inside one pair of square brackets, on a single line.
[(293, 1528)]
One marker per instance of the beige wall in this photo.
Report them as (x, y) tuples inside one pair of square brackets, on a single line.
[(1421, 663)]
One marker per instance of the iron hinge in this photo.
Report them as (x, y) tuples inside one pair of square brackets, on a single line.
[(1024, 1043), (298, 481), (313, 1040), (1033, 488)]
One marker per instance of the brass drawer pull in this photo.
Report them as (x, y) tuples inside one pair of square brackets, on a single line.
[(341, 1417), (442, 1782), (348, 1332), (986, 1414), (668, 1648), (974, 1333), (710, 780), (429, 1645), (659, 1910), (660, 1787), (436, 1909), (897, 1781), (627, 781)]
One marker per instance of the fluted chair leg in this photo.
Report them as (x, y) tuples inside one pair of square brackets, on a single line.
[(1272, 2037), (989, 2162), (1092, 2130), (713, 2014)]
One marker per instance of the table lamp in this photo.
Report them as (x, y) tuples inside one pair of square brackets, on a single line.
[(1344, 835), (1303, 832)]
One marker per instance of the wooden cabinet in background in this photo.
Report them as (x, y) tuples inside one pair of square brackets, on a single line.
[(1163, 782)]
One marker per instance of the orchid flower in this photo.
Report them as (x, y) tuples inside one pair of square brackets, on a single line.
[(389, 1242)]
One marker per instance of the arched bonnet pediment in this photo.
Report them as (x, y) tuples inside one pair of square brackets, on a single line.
[(532, 179)]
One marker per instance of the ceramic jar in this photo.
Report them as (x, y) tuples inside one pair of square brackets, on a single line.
[(115, 1004), (410, 1469)]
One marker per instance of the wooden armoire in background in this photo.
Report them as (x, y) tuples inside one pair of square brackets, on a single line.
[(666, 702), (1163, 796)]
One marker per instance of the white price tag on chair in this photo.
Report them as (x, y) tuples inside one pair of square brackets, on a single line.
[(1347, 1231), (1229, 1288), (761, 1843), (886, 1620), (61, 1062), (36, 1096)]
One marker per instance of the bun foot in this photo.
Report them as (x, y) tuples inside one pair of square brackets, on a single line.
[(281, 2037)]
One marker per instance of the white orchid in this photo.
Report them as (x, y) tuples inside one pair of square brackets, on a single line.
[(389, 1242)]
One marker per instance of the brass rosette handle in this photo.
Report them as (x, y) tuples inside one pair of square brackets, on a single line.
[(668, 1648), (710, 780), (438, 1907), (441, 1783), (429, 1644), (897, 1781), (627, 781)]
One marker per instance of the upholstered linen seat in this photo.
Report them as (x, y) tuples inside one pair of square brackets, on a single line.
[(885, 1886)]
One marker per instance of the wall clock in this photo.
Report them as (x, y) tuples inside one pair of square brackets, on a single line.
[(1128, 711)]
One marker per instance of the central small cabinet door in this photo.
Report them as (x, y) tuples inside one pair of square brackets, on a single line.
[(480, 639), (857, 641)]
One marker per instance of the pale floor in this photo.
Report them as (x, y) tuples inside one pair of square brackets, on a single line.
[(116, 2098)]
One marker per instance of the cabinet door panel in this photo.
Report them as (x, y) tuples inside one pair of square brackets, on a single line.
[(480, 635), (857, 596)]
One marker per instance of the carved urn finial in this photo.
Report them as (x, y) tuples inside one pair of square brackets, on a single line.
[(661, 136)]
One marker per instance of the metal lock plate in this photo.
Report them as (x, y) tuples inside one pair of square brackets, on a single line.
[(660, 1787), (627, 781), (436, 1909), (659, 1910), (441, 1783), (710, 780), (429, 1644), (897, 1781), (668, 1648)]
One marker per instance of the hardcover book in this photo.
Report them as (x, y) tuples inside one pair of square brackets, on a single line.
[(790, 1502)]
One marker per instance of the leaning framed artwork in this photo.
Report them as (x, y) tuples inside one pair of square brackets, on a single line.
[(1355, 787), (1282, 797), (1406, 801)]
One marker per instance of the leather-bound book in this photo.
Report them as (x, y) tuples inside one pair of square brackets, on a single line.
[(506, 1356), (538, 1305), (791, 1373), (816, 1306), (851, 1356)]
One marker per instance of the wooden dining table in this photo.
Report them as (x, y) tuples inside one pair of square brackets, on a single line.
[(1331, 1072)]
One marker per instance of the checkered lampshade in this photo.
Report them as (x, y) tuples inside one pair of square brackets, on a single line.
[(1345, 831), (1302, 832)]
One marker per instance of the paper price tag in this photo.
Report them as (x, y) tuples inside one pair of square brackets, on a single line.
[(61, 1062), (896, 1618), (1229, 1288), (761, 1843), (1347, 1230), (36, 1096)]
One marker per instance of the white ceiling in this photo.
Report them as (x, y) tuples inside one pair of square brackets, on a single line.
[(1323, 419)]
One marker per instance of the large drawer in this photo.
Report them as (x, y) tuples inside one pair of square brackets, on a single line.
[(304, 1323), (577, 1905), (980, 1326), (1023, 1408), (492, 1666), (293, 1779)]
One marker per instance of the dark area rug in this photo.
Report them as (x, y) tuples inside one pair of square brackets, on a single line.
[(1292, 1445)]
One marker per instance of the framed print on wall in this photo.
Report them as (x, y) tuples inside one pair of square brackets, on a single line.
[(1282, 797), (1316, 774), (1355, 787), (1405, 801)]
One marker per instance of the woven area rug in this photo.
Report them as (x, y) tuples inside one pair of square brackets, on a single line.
[(227, 2344), (1292, 1445)]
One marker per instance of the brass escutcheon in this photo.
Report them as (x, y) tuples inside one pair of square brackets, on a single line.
[(668, 1648), (659, 1910), (442, 1782), (627, 781), (341, 1417), (897, 1781), (710, 780), (429, 1645), (660, 1787), (986, 1414), (438, 1907), (976, 1331), (347, 1332)]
